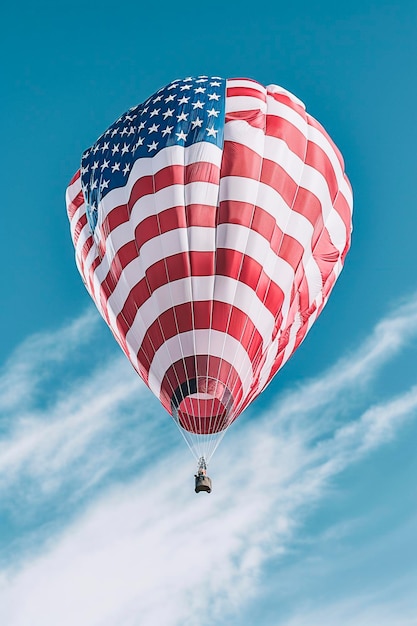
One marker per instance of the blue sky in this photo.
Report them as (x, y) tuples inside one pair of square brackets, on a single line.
[(99, 524)]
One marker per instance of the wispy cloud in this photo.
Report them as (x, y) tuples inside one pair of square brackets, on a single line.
[(391, 605), (146, 551)]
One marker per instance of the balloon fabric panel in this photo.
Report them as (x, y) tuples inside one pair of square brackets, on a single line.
[(210, 225)]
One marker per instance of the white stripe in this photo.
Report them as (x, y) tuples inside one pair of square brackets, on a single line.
[(250, 191), (247, 83), (245, 103), (290, 222), (337, 230), (295, 327), (277, 150), (84, 233), (172, 155), (284, 111), (241, 132), (313, 180), (73, 190), (226, 290), (251, 243), (277, 89), (231, 236), (182, 345), (152, 205), (315, 136)]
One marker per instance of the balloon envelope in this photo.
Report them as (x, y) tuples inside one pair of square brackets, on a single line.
[(210, 224)]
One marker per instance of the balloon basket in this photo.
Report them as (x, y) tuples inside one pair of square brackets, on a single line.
[(202, 481)]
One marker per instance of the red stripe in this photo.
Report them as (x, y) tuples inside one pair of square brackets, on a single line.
[(246, 270), (75, 177), (281, 128), (247, 92), (147, 185), (262, 222), (203, 417), (297, 198), (227, 262), (218, 316), (254, 117), (308, 205), (315, 124), (342, 207), (73, 206), (81, 223), (282, 97), (155, 225), (194, 367), (318, 159), (239, 160)]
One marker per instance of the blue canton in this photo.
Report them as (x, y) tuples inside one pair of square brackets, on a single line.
[(184, 112)]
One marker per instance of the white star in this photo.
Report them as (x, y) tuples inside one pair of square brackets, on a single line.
[(173, 86), (213, 112), (171, 97), (132, 130), (104, 184), (115, 148), (153, 145), (114, 131), (154, 112), (168, 113), (107, 132), (214, 96), (211, 132), (153, 128), (182, 117), (137, 144), (183, 100), (196, 122), (167, 130), (200, 90), (157, 99), (141, 126), (145, 110), (181, 135), (198, 105), (126, 169), (203, 79), (187, 80), (214, 84), (129, 118), (96, 148), (185, 87), (94, 185), (115, 167), (104, 165), (105, 146), (125, 149), (124, 131), (85, 155), (85, 169), (94, 166)]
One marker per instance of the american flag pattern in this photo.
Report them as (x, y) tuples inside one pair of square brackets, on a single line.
[(210, 224)]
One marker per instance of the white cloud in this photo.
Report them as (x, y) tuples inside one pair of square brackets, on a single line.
[(150, 552), (36, 357)]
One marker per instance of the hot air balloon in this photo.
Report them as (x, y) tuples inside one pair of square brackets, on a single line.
[(210, 224)]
